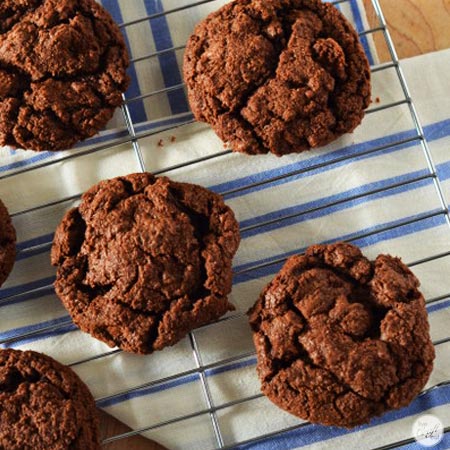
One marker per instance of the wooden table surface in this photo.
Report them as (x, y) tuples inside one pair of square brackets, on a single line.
[(417, 27)]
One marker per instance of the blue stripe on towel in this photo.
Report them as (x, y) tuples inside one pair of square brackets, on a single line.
[(311, 434), (252, 271), (283, 214), (167, 61), (233, 366), (323, 162), (36, 284), (10, 334), (438, 306), (443, 171), (359, 25), (44, 239), (37, 158), (136, 108), (28, 296), (58, 332)]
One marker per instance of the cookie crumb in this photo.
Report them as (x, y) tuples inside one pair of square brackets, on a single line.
[(161, 143), (173, 139), (377, 100)]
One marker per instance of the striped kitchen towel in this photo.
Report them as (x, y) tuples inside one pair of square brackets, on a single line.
[(375, 187)]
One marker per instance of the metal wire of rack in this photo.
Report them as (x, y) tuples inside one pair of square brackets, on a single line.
[(201, 369)]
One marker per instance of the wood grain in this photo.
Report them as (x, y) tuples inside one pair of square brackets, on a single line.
[(416, 27)]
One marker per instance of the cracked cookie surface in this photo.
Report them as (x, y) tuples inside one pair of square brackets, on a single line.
[(44, 405), (281, 76), (7, 244), (144, 260), (341, 339), (62, 72)]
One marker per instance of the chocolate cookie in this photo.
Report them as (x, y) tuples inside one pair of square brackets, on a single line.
[(7, 244), (341, 339), (44, 405), (144, 260), (62, 72), (279, 76)]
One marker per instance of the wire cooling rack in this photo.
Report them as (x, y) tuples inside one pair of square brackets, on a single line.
[(134, 137)]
